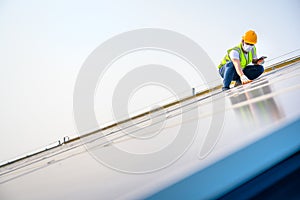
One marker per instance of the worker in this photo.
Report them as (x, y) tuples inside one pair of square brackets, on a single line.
[(235, 65)]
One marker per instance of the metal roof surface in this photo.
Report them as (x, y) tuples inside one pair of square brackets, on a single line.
[(74, 171)]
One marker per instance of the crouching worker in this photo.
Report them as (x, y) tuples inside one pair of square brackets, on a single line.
[(235, 65)]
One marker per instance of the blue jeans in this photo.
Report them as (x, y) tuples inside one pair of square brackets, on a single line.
[(229, 73)]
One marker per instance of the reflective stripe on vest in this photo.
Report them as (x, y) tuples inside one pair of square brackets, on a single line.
[(244, 62)]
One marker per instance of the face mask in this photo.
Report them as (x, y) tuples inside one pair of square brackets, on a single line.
[(247, 47)]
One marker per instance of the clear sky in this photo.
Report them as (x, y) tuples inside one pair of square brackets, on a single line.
[(44, 43)]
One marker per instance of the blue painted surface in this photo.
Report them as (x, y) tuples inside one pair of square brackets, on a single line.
[(237, 168)]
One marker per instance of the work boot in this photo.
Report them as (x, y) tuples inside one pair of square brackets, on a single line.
[(238, 83), (225, 88)]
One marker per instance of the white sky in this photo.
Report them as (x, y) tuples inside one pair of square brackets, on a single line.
[(44, 43)]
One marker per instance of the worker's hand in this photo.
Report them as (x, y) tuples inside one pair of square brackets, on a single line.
[(245, 79), (261, 60)]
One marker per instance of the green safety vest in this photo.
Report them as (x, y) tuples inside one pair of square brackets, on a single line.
[(244, 62)]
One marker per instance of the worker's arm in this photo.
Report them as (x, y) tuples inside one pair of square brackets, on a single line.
[(237, 65)]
